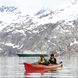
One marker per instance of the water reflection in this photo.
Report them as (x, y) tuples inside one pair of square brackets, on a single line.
[(44, 75), (40, 73)]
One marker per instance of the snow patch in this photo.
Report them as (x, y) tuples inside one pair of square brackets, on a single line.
[(35, 31), (13, 45), (54, 37), (0, 48), (20, 31), (75, 42)]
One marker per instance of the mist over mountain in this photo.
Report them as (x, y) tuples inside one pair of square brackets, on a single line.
[(47, 30)]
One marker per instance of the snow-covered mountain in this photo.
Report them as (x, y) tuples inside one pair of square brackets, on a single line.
[(10, 14), (47, 30)]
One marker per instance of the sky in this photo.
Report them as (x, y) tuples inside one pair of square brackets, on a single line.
[(32, 5)]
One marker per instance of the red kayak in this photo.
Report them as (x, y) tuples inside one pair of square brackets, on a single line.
[(39, 67)]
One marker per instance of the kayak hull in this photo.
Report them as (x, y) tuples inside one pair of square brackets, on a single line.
[(40, 67)]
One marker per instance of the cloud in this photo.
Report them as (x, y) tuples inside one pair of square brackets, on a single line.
[(32, 5)]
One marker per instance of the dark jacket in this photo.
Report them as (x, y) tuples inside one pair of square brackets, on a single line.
[(52, 61)]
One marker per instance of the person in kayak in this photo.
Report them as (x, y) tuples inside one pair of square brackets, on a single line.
[(52, 59), (43, 61)]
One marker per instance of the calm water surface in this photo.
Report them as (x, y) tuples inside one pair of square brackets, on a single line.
[(12, 67)]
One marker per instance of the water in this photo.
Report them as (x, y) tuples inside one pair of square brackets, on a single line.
[(12, 67)]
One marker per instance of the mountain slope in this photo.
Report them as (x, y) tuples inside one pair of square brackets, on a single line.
[(48, 30)]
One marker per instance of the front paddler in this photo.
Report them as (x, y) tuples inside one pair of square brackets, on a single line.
[(43, 61)]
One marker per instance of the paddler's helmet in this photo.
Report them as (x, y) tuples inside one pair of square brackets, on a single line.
[(52, 55)]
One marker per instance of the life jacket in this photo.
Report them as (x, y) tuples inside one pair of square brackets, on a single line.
[(53, 59), (42, 60)]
